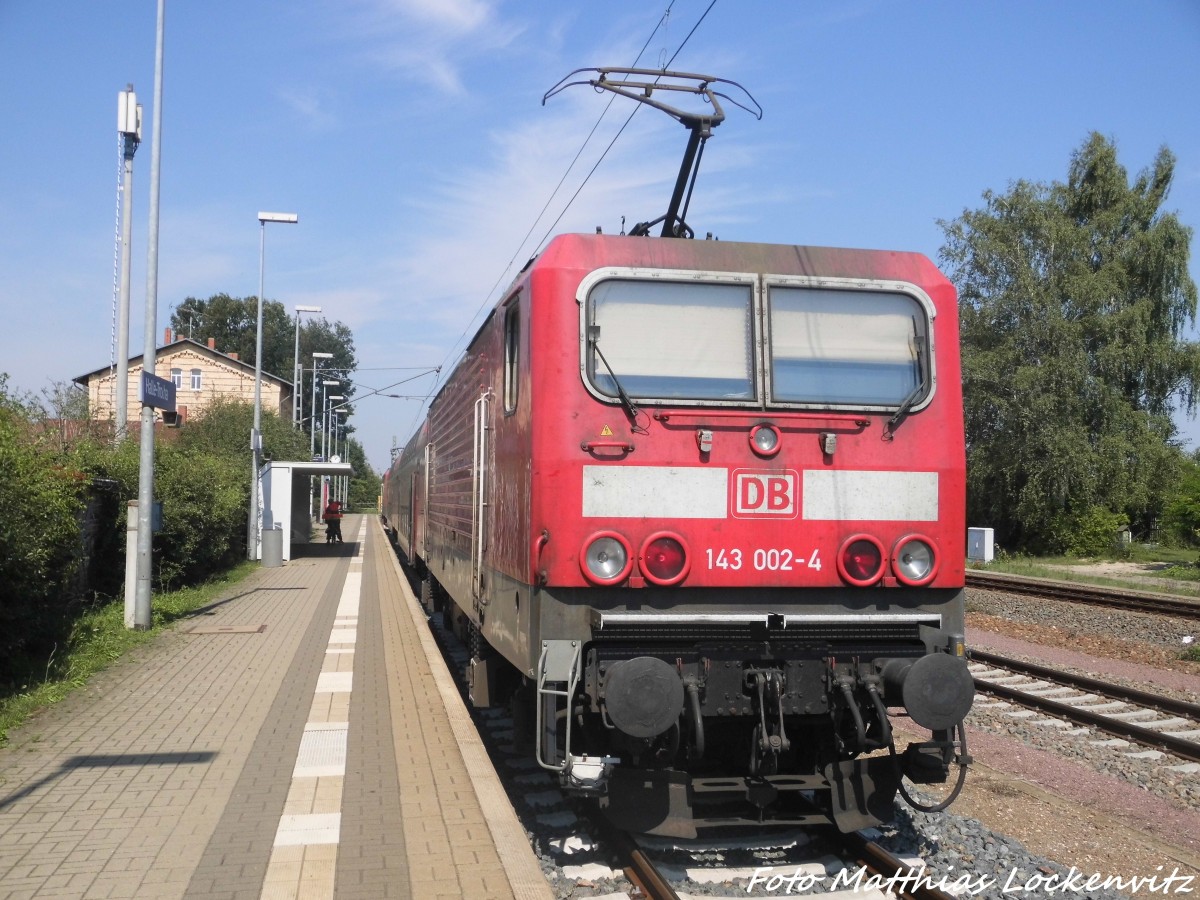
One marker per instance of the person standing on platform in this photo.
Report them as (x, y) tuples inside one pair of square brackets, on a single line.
[(333, 522)]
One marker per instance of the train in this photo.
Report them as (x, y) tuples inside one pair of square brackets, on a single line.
[(697, 507)]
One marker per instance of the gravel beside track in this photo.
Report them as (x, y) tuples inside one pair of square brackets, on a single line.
[(1120, 671), (1060, 628)]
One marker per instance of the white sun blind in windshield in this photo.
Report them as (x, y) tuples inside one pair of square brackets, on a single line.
[(671, 339)]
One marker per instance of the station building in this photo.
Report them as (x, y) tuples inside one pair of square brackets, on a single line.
[(202, 374)]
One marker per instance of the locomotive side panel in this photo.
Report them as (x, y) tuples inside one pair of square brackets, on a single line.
[(505, 580), (402, 496), (466, 483)]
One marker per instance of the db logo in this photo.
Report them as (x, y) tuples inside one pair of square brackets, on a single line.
[(764, 494)]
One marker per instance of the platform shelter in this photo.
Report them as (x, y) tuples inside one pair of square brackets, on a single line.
[(285, 498)]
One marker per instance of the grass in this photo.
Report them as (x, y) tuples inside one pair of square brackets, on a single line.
[(99, 639), (1173, 566)]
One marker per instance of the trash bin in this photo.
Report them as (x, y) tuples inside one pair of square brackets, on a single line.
[(272, 547)]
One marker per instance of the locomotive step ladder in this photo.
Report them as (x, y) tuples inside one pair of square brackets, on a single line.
[(558, 672)]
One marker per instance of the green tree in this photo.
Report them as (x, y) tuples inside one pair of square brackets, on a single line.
[(365, 482), (232, 322), (41, 499), (1074, 298), (223, 429), (1181, 518), (320, 336), (64, 497)]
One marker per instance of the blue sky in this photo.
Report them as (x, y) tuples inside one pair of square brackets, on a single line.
[(410, 137)]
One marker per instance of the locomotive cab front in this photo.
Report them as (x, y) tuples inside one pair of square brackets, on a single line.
[(761, 480)]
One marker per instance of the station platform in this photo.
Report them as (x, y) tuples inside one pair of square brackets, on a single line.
[(299, 738)]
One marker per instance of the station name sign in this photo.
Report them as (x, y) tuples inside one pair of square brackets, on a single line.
[(157, 392)]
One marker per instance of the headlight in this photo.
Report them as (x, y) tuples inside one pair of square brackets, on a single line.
[(914, 560), (764, 439), (605, 558)]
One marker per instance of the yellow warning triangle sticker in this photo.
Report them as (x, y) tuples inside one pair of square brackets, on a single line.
[(606, 431)]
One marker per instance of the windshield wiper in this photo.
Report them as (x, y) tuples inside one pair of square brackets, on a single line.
[(907, 403), (631, 409)]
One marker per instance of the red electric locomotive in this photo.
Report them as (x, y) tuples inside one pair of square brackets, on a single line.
[(698, 507)]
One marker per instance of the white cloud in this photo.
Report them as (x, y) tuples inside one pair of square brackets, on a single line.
[(452, 15), (310, 107), (428, 41), (474, 222)]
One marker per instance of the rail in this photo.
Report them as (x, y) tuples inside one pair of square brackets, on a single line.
[(1119, 598), (1180, 746), (911, 883)]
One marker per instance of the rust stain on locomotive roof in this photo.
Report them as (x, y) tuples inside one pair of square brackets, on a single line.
[(598, 251)]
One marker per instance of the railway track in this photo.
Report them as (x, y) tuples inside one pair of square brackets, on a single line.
[(862, 866), (1117, 598), (910, 883), (1124, 712)]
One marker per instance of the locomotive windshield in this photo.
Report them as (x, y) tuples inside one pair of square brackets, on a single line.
[(844, 347), (673, 341), (823, 345)]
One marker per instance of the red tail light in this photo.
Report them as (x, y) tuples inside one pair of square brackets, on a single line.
[(860, 561), (664, 559)]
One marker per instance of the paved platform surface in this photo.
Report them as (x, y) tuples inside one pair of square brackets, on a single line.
[(298, 738)]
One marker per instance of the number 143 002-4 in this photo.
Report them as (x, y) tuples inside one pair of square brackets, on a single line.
[(762, 559)]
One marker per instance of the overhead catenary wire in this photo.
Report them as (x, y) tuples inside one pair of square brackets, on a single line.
[(521, 244), (444, 367)]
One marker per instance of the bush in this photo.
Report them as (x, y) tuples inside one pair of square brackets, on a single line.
[(1092, 532), (204, 502), (224, 430), (1181, 518), (40, 499), (65, 502)]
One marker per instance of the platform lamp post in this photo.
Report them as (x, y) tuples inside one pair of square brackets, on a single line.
[(325, 403), (297, 372), (339, 428), (334, 415), (312, 409), (321, 422), (252, 530), (339, 411), (145, 550), (312, 422), (325, 423)]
